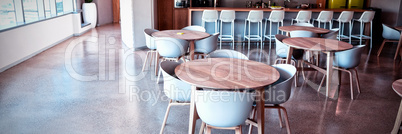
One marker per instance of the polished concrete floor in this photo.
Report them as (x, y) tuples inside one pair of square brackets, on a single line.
[(94, 84)]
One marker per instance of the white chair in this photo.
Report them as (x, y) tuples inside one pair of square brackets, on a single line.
[(194, 28), (149, 41), (325, 17), (279, 92), (345, 17), (171, 49), (332, 34), (227, 16), (179, 92), (390, 35), (223, 109), (301, 33), (205, 46), (302, 16), (303, 24), (226, 53), (276, 16), (366, 17), (210, 16), (254, 16), (346, 61)]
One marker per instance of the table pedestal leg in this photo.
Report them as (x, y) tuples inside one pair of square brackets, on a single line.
[(192, 50), (289, 57), (330, 58), (398, 120), (260, 109), (193, 111)]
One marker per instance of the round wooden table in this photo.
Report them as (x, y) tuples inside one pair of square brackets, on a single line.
[(227, 73), (188, 35), (397, 86), (289, 29), (328, 46)]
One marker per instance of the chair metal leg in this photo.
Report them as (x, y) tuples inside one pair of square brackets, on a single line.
[(220, 35), (252, 116), (208, 131), (351, 83), (397, 51), (322, 81), (166, 116)]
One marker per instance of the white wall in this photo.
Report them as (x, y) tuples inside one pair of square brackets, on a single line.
[(136, 15), (21, 43)]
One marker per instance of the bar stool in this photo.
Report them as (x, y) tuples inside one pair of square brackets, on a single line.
[(345, 17), (275, 16), (254, 16), (210, 16), (325, 17), (367, 17), (227, 16), (302, 16)]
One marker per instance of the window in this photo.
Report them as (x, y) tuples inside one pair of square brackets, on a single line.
[(19, 12), (7, 14)]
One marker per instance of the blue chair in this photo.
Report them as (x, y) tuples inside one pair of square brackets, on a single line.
[(205, 46), (226, 53), (179, 92), (346, 61), (279, 92), (171, 49), (149, 41), (390, 35), (195, 28), (223, 109)]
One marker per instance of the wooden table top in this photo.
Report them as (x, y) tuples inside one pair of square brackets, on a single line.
[(317, 44), (312, 29), (227, 73), (397, 86), (187, 34)]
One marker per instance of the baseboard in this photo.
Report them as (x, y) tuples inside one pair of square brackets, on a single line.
[(33, 54)]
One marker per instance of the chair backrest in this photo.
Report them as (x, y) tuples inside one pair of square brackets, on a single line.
[(224, 108), (194, 28), (303, 16), (226, 53), (303, 24), (277, 16), (210, 15), (301, 33), (348, 58), (279, 92), (325, 16), (280, 48), (228, 15), (346, 16), (255, 16), (367, 16), (173, 87), (207, 45), (171, 47), (332, 34), (149, 40), (390, 33)]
